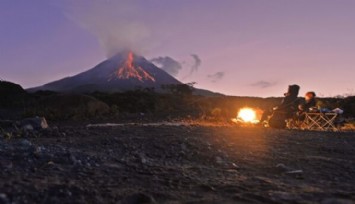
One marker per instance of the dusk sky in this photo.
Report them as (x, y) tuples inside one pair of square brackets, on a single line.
[(246, 47)]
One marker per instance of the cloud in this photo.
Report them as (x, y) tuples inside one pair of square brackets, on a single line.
[(216, 76), (263, 84), (168, 64), (196, 64)]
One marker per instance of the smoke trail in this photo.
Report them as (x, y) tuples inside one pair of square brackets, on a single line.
[(263, 84), (216, 76), (197, 63), (113, 23), (168, 64)]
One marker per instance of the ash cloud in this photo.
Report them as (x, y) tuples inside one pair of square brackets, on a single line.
[(113, 23), (168, 64), (196, 64), (117, 26), (263, 84), (216, 76)]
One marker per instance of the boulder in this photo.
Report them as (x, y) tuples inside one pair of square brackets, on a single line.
[(35, 123), (11, 95), (9, 88)]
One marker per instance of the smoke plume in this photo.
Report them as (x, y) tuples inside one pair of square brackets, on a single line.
[(168, 64), (196, 64), (216, 76), (263, 84), (113, 23)]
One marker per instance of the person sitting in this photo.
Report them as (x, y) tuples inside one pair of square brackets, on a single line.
[(276, 117), (308, 104)]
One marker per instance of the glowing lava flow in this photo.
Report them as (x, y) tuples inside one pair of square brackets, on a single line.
[(128, 71)]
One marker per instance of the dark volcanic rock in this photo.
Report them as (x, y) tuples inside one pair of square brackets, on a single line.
[(9, 88), (178, 164), (138, 198), (12, 95)]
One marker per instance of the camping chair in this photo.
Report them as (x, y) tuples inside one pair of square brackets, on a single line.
[(320, 121), (281, 117)]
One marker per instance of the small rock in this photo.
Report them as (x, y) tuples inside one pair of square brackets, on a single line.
[(143, 160), (6, 164), (50, 163), (25, 144), (294, 172), (206, 187), (183, 147), (69, 193), (39, 151), (74, 160), (27, 127), (283, 167), (336, 201), (37, 123), (235, 165), (219, 160), (3, 198), (138, 198)]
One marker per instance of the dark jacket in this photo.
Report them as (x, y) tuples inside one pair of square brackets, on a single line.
[(290, 102), (308, 104), (287, 107)]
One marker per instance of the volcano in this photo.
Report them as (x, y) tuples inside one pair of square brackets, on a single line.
[(123, 71)]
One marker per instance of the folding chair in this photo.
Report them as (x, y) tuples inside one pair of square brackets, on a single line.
[(320, 121)]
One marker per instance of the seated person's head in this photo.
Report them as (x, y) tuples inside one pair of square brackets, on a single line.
[(310, 96), (292, 90)]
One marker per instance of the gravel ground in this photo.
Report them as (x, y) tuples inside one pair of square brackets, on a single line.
[(177, 164)]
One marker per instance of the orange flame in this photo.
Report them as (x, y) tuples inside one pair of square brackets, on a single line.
[(248, 115), (128, 70)]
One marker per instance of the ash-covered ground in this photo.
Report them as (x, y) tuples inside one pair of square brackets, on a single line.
[(177, 164)]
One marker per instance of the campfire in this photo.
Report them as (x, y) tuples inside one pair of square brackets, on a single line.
[(247, 116)]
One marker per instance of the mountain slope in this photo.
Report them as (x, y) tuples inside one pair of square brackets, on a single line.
[(124, 71)]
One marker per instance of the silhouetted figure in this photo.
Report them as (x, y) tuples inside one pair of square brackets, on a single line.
[(276, 117), (306, 106), (309, 102)]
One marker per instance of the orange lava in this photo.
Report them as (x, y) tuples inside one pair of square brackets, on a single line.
[(128, 70)]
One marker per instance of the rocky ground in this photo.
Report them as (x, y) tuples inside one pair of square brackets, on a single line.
[(177, 164)]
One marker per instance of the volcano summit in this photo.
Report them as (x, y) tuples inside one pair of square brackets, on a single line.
[(122, 72), (129, 70)]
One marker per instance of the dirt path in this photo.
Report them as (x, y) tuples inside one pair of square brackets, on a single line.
[(178, 164)]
